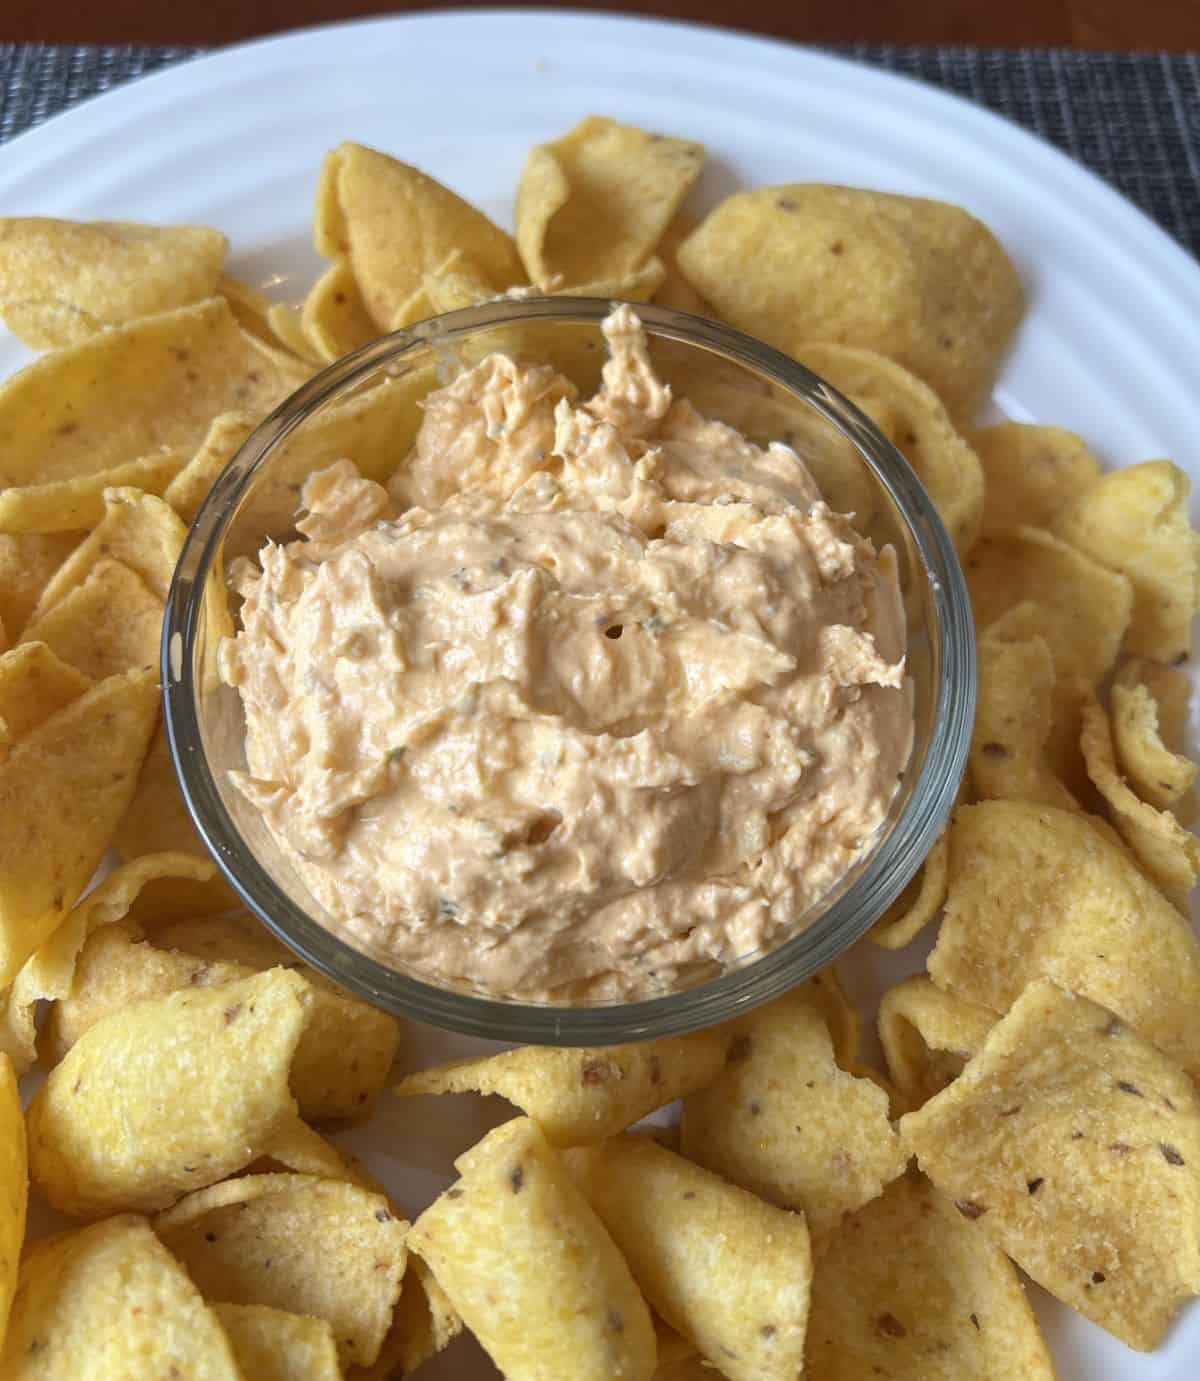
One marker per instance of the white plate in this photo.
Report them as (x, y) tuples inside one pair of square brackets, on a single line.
[(235, 140)]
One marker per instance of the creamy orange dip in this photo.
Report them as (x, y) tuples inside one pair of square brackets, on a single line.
[(595, 701)]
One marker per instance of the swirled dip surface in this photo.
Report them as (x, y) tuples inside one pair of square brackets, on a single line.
[(596, 700)]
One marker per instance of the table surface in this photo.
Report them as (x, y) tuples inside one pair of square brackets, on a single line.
[(1172, 25)]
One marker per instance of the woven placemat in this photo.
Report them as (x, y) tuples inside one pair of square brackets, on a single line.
[(1132, 118)]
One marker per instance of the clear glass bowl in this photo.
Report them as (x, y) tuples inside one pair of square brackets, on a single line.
[(727, 375)]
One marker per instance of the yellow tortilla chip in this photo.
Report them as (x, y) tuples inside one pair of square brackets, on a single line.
[(727, 1271), (581, 1095), (928, 1036), (14, 1186), (109, 1301), (1135, 521), (1149, 718), (1169, 853), (271, 1345), (249, 307), (529, 1267), (1075, 1146), (168, 1095), (251, 1241), (287, 328), (675, 291), (918, 904), (920, 281), (189, 488), (912, 417), (785, 1122), (132, 392), (908, 1289), (27, 561), (34, 684), (1039, 892), (334, 317), (63, 787), (300, 1149), (594, 203), (104, 273), (109, 624), (1030, 473), (79, 503), (424, 1322), (828, 995)]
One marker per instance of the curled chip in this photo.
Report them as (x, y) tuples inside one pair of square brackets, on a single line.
[(1014, 720), (911, 416), (726, 1270), (300, 1149), (1075, 1145), (785, 1122), (75, 417), (319, 1247), (188, 490), (27, 561), (424, 1322), (530, 1268), (909, 1289), (109, 624), (63, 787), (1030, 473), (1169, 853), (63, 281), (920, 281), (14, 1186), (594, 203), (675, 290), (110, 1301), (271, 1345), (1039, 892), (928, 1036), (288, 329), (168, 1095), (34, 684), (918, 904), (1149, 719), (1135, 521), (334, 317), (582, 1095)]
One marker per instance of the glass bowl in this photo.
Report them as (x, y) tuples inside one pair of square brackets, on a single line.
[(726, 374)]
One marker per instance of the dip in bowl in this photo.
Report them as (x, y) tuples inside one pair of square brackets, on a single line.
[(526, 674)]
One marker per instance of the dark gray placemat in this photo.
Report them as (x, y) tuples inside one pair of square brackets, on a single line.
[(1132, 118)]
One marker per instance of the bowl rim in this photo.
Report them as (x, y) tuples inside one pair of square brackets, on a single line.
[(844, 915)]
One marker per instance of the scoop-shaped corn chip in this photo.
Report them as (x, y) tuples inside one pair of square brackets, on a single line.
[(232, 939), (928, 1036), (908, 1289), (1075, 1145), (918, 904), (513, 1223), (1039, 892), (1149, 717), (34, 684), (583, 1094), (727, 1271), (104, 273), (109, 624), (288, 329), (189, 488), (828, 995), (424, 1322), (1135, 521), (334, 317), (131, 392), (675, 290), (1014, 718), (63, 787), (300, 1149), (14, 1186), (27, 561), (1030, 473), (920, 281), (1169, 853), (595, 203), (110, 1301), (78, 503), (249, 306), (272, 1345), (168, 1095), (911, 415), (785, 1122)]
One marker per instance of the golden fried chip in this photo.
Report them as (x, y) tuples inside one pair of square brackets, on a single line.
[(167, 1096), (594, 203), (1039, 892), (785, 1122), (34, 684), (927, 1036), (1135, 521), (1030, 473), (288, 329), (911, 416), (1075, 1145), (133, 392), (271, 1345), (529, 1267), (1014, 718), (424, 1322), (109, 624), (63, 787), (300, 1149), (188, 490), (580, 1095), (251, 1240), (14, 1186), (918, 904), (726, 1270), (908, 1289), (27, 561), (103, 273), (231, 939), (109, 1301), (334, 317), (1149, 716), (920, 281), (1169, 853), (78, 503), (250, 308), (828, 995), (675, 291)]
